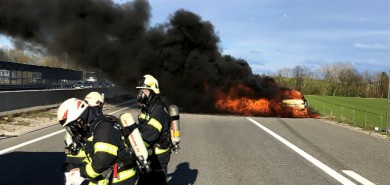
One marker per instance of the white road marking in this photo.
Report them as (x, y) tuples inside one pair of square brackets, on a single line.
[(120, 110), (319, 164), (357, 177), (52, 134), (29, 142)]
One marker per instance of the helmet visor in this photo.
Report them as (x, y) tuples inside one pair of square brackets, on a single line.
[(76, 128)]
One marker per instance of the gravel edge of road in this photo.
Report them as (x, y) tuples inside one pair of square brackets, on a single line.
[(38, 123), (358, 129)]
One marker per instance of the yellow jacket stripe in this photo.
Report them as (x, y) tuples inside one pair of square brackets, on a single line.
[(143, 116), (146, 144), (156, 124), (90, 171), (124, 175), (158, 151), (101, 182), (86, 160), (105, 147), (81, 154)]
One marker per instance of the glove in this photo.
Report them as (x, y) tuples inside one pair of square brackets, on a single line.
[(73, 178)]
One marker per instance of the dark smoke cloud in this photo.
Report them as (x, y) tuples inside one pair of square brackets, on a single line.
[(182, 54)]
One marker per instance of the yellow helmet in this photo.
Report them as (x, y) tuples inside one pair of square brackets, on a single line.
[(149, 82), (94, 99), (70, 110)]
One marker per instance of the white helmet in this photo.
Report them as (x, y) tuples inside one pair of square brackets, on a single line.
[(149, 82), (94, 99), (70, 110)]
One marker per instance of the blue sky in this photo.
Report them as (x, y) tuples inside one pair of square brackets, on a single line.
[(272, 34)]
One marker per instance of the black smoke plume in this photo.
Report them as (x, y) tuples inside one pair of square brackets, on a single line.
[(183, 54)]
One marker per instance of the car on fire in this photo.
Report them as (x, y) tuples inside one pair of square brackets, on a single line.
[(294, 103)]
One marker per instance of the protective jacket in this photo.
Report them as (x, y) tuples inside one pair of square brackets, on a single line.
[(154, 126), (109, 158)]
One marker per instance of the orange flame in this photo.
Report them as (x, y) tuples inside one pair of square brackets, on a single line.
[(231, 103), (238, 101), (294, 110)]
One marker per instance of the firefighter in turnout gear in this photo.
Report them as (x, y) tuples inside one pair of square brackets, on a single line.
[(154, 128), (75, 153), (108, 157)]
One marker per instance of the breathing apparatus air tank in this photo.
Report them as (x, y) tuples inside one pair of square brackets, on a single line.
[(175, 127), (136, 141)]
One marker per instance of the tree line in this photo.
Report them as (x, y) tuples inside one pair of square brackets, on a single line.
[(34, 57), (336, 79)]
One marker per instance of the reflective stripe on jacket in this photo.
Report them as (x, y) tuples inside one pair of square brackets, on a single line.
[(103, 149), (153, 123)]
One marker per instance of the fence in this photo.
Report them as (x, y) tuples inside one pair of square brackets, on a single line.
[(351, 116), (17, 101), (35, 77)]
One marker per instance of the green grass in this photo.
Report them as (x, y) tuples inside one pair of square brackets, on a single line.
[(362, 112)]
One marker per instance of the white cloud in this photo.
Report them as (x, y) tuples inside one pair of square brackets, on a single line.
[(370, 46)]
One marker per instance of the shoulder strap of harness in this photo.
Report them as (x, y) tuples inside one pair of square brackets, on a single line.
[(107, 118), (128, 151)]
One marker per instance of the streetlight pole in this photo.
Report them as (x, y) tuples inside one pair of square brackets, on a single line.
[(388, 101)]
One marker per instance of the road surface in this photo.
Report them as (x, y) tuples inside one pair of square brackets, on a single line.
[(227, 150)]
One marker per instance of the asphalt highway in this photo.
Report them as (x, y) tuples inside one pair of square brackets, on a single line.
[(226, 150)]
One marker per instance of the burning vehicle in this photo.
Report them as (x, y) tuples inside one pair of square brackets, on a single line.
[(296, 108), (295, 104), (285, 103)]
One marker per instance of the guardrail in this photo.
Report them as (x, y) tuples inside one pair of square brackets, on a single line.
[(33, 87), (11, 101)]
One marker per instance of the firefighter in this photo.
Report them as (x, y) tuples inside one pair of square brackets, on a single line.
[(108, 158), (74, 151), (154, 128)]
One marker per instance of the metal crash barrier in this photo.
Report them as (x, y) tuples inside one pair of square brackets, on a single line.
[(11, 101)]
